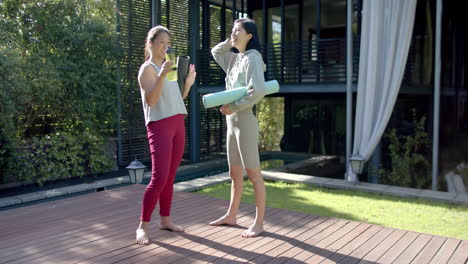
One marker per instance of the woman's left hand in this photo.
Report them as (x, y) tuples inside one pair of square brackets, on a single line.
[(225, 110), (190, 79)]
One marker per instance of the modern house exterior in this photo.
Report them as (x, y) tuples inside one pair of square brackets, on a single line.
[(304, 47)]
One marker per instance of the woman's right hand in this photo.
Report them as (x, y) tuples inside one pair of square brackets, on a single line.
[(166, 68), (225, 110)]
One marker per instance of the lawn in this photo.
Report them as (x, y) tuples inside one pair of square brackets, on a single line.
[(418, 215)]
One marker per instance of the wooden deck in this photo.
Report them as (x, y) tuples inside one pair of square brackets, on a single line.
[(100, 228)]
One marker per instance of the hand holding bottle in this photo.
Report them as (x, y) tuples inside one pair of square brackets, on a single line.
[(170, 57)]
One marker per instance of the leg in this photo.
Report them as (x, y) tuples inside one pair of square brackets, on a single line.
[(255, 176), (160, 149), (247, 138), (237, 181), (167, 192), (235, 172)]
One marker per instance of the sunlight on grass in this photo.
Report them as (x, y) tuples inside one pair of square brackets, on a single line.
[(418, 215)]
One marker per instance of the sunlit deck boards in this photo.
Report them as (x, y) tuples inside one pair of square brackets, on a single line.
[(100, 228)]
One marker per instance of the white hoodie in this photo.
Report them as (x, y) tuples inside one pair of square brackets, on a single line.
[(242, 70)]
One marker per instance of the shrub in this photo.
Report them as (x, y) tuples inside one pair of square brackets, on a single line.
[(409, 166), (58, 156), (270, 114)]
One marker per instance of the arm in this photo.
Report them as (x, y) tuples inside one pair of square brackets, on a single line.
[(223, 55), (256, 87), (152, 82)]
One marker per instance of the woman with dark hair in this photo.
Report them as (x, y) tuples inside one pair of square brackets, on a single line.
[(164, 111), (244, 67)]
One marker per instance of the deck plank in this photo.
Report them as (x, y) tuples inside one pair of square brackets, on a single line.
[(100, 228), (413, 250), (446, 251), (460, 256), (385, 245), (430, 250)]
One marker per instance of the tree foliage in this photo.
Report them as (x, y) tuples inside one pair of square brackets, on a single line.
[(270, 114), (57, 75)]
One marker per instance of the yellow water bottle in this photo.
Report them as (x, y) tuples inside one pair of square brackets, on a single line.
[(170, 56)]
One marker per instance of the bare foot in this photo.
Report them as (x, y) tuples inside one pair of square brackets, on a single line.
[(142, 236), (225, 220), (171, 227), (253, 231)]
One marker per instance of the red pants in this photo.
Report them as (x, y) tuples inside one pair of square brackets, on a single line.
[(166, 141)]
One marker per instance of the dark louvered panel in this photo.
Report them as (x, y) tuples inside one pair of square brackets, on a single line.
[(175, 16), (213, 131), (307, 61), (215, 25), (212, 122), (322, 61), (209, 73), (135, 21), (228, 24), (179, 26)]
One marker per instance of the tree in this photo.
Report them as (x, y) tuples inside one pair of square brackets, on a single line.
[(57, 72)]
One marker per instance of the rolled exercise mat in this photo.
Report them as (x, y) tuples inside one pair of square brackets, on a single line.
[(229, 96), (182, 71)]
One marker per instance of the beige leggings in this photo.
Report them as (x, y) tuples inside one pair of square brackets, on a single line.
[(242, 139)]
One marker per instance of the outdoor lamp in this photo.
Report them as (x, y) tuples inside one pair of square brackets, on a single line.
[(136, 170), (357, 163)]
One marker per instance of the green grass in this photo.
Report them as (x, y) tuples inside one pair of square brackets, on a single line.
[(418, 215)]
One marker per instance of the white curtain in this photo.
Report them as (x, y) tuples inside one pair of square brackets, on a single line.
[(387, 27)]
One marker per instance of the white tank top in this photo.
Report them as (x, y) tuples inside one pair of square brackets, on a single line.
[(169, 104)]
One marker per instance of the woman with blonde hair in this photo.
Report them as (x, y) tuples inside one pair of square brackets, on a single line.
[(164, 111)]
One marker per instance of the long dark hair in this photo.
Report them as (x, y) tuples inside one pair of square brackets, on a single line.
[(251, 28)]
